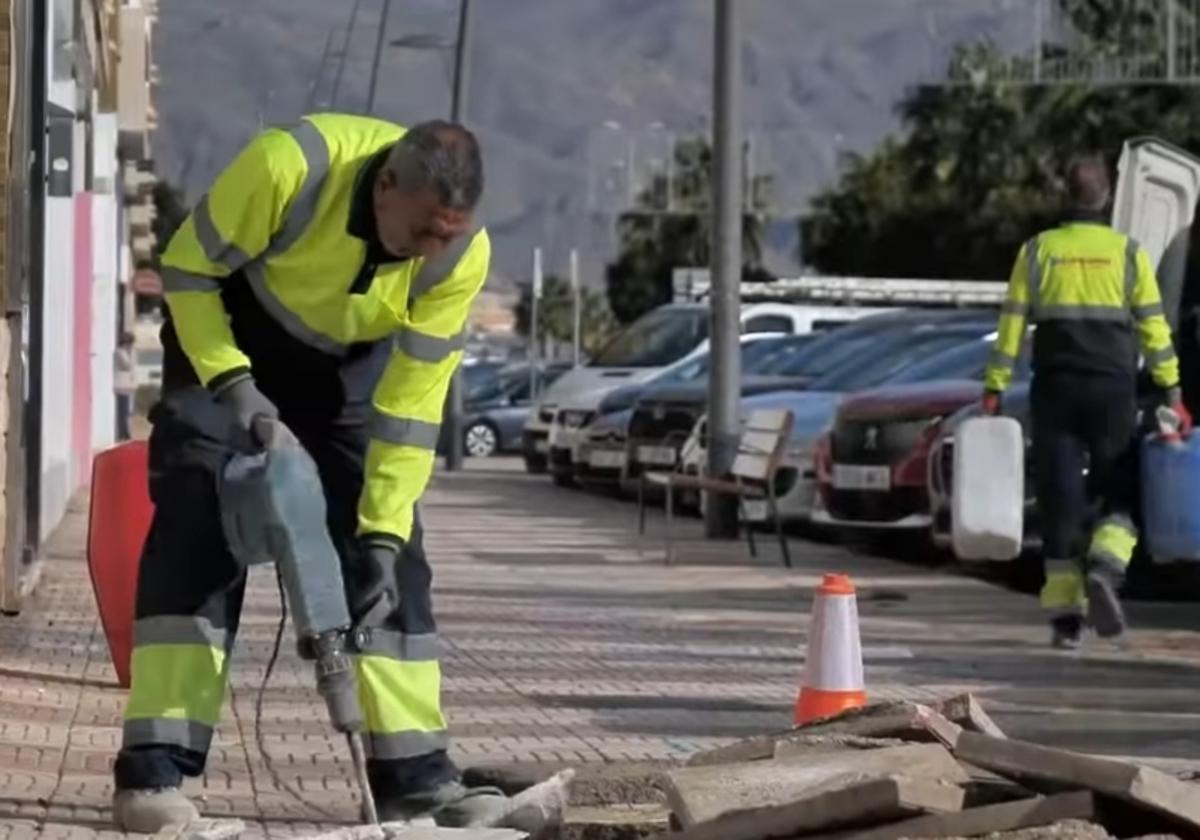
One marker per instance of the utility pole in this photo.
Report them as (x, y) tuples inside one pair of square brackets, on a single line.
[(724, 385), (341, 68), (458, 110), (577, 295), (379, 39)]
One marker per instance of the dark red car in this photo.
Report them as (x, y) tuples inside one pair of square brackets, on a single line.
[(872, 466)]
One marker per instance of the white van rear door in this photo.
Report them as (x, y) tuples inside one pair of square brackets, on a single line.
[(1158, 186)]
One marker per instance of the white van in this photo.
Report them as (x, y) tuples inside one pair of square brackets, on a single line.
[(653, 342)]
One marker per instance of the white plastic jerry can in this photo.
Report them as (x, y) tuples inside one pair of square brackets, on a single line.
[(988, 506)]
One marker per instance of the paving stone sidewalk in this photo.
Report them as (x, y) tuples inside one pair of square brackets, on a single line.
[(570, 641)]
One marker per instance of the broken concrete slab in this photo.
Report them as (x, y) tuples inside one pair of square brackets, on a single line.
[(616, 822), (826, 744), (886, 722), (408, 831), (757, 748), (853, 804), (965, 711), (1066, 830), (702, 794), (942, 728), (1142, 786), (1007, 816)]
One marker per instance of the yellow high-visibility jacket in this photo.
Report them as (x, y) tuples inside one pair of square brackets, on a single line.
[(276, 218), (1088, 289)]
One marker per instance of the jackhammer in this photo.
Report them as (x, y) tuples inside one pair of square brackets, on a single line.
[(273, 511)]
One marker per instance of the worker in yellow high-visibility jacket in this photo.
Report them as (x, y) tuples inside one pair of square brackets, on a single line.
[(324, 280), (1095, 301)]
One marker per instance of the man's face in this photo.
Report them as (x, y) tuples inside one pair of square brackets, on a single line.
[(414, 224)]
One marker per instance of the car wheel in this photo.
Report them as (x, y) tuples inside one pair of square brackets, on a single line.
[(480, 440)]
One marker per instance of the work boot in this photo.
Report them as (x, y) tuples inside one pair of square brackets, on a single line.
[(1104, 602), (1067, 632), (452, 804), (149, 811), (535, 811)]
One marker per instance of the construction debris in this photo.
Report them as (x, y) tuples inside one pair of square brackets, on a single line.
[(895, 721), (906, 770), (703, 794)]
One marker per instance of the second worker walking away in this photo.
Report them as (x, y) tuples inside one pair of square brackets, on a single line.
[(1094, 298)]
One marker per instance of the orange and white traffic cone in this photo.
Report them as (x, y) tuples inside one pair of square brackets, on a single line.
[(833, 672)]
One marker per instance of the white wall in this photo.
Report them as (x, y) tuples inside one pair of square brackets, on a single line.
[(105, 260), (58, 318)]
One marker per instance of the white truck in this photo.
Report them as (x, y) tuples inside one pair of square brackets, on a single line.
[(658, 339)]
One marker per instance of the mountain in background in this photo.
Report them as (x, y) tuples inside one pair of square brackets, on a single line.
[(563, 93)]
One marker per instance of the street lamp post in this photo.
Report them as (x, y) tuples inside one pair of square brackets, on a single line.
[(380, 36), (724, 385), (458, 110)]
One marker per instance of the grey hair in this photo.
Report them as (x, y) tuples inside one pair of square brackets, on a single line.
[(441, 156)]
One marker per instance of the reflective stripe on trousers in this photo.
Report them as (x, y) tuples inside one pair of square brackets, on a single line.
[(1114, 540), (179, 686), (1064, 592)]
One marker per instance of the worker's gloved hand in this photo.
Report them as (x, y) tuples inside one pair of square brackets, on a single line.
[(990, 403), (246, 401), (255, 413), (1174, 401), (373, 582)]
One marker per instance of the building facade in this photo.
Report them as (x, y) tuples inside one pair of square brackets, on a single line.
[(77, 220)]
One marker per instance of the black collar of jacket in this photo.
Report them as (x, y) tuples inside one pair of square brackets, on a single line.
[(362, 208), (1088, 217)]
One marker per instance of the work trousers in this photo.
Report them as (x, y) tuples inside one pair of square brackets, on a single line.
[(190, 587), (1084, 421)]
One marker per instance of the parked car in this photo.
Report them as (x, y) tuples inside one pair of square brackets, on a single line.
[(872, 465), (864, 355), (901, 359), (496, 405), (639, 352), (600, 457)]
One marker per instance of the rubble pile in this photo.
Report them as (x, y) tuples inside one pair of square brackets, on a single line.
[(906, 770)]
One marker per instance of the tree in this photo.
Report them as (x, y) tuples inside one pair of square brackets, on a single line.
[(556, 315), (978, 167), (658, 236)]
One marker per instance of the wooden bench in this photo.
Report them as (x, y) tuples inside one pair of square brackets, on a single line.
[(761, 450)]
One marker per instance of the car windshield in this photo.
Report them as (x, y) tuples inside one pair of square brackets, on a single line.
[(657, 339), (822, 355), (752, 353), (967, 361), (887, 359), (763, 356)]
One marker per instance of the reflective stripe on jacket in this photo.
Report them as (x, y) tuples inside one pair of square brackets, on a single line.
[(276, 218), (1089, 289)]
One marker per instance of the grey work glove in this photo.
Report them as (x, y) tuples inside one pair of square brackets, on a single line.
[(373, 584), (255, 413)]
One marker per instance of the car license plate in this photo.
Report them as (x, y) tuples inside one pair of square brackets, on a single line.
[(662, 456), (851, 477), (541, 446), (610, 459)]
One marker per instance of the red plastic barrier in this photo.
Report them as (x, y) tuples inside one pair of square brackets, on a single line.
[(118, 523)]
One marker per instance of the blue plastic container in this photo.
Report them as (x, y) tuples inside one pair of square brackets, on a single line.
[(1171, 497)]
